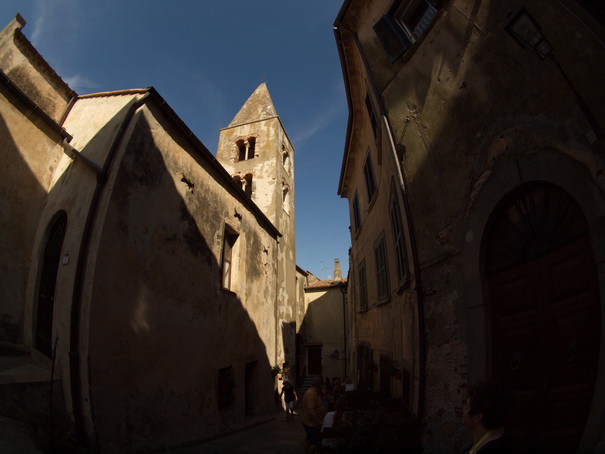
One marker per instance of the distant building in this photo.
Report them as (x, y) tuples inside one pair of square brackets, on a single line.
[(474, 175), (322, 346), (146, 287)]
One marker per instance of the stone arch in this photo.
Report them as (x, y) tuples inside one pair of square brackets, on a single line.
[(508, 172), (543, 314), (245, 148), (47, 281), (286, 196)]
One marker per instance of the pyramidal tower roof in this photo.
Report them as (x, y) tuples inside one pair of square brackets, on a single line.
[(259, 106)]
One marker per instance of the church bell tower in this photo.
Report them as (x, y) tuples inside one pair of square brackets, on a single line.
[(256, 151)]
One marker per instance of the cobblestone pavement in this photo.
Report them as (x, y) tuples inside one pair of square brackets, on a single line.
[(280, 435), (15, 438)]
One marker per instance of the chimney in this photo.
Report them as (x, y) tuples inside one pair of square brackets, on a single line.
[(337, 272)]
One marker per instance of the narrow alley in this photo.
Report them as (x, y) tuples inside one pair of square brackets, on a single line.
[(278, 435)]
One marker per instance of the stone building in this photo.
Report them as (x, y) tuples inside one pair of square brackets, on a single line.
[(146, 287), (321, 335), (474, 173)]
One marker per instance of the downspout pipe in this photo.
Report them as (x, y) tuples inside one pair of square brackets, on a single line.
[(77, 155), (80, 275), (417, 277)]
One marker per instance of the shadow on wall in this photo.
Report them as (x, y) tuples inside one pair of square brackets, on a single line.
[(322, 326), (22, 198), (288, 334), (173, 358)]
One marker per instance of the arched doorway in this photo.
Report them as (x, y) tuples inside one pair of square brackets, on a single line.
[(544, 313), (46, 289)]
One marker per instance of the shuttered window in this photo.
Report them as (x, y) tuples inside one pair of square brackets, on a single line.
[(405, 23)]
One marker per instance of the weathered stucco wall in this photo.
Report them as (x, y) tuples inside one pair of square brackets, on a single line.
[(474, 116), (31, 151), (22, 63), (272, 170), (324, 323), (163, 328)]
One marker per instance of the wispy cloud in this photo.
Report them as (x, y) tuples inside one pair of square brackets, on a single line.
[(54, 23), (55, 28), (81, 84), (322, 120)]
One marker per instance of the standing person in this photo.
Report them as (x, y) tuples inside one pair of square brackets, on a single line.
[(313, 415), (290, 397), (349, 385), (334, 420), (484, 416)]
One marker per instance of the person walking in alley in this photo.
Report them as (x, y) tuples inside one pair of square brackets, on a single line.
[(313, 412), (290, 398), (485, 414)]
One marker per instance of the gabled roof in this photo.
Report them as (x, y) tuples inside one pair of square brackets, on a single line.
[(259, 106)]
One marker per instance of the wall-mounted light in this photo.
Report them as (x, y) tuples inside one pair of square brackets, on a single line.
[(526, 31), (65, 259)]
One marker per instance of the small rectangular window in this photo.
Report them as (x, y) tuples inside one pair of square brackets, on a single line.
[(356, 217), (368, 173), (227, 270), (363, 288), (382, 270), (371, 114)]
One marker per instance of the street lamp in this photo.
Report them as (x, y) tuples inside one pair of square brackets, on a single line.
[(528, 34)]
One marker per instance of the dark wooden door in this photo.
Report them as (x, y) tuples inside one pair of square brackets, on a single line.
[(46, 289), (314, 361), (545, 345)]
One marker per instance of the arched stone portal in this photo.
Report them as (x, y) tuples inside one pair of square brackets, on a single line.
[(47, 284), (544, 312)]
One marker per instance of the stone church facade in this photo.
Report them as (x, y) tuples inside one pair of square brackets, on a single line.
[(147, 286), (474, 173)]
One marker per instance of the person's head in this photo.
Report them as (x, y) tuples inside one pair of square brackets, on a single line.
[(287, 384), (318, 383), (341, 404), (487, 404), (348, 380)]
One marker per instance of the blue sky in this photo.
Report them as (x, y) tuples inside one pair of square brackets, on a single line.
[(206, 57)]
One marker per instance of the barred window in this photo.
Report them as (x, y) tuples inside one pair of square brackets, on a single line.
[(229, 240)]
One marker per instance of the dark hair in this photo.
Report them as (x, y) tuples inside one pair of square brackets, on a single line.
[(493, 401)]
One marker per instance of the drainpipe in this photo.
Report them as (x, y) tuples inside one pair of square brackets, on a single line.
[(80, 274), (77, 155), (417, 275)]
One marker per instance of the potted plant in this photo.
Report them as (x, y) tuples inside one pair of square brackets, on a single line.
[(276, 370)]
